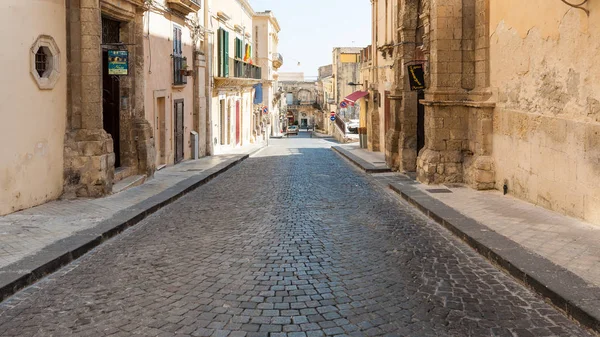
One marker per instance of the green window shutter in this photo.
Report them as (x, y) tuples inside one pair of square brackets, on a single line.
[(226, 53), (220, 53)]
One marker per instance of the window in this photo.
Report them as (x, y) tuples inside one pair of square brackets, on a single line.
[(223, 54), (41, 61), (179, 61), (239, 46), (45, 62)]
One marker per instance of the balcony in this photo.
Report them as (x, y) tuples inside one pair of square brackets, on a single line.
[(243, 69), (240, 73), (277, 60), (184, 7)]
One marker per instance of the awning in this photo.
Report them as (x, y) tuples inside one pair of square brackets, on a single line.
[(355, 96)]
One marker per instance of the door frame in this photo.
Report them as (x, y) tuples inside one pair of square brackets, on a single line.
[(179, 151), (115, 116)]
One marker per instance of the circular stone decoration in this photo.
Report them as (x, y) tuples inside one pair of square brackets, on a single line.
[(304, 114)]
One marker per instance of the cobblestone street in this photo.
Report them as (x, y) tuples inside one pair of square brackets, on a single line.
[(292, 242)]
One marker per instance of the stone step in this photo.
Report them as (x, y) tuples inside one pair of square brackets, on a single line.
[(128, 182), (122, 173)]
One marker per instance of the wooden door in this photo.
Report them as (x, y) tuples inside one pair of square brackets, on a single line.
[(178, 130)]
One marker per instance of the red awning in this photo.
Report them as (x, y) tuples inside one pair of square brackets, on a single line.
[(355, 96)]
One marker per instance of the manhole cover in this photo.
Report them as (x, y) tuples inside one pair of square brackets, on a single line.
[(439, 190)]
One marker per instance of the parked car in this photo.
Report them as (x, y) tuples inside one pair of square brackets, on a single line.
[(292, 129), (353, 125)]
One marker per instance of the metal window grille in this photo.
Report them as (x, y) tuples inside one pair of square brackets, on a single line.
[(179, 61), (41, 61), (111, 31)]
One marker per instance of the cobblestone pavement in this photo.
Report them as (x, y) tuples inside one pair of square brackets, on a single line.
[(292, 242)]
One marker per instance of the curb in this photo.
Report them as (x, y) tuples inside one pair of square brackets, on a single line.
[(51, 258), (361, 163), (564, 289)]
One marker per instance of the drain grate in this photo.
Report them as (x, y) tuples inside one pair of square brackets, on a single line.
[(195, 170), (439, 190), (378, 162)]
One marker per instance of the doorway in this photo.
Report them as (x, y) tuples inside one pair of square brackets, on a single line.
[(222, 121), (238, 120), (110, 107), (161, 132), (178, 123), (420, 122)]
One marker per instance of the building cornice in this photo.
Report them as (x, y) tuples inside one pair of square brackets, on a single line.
[(246, 5), (272, 19)]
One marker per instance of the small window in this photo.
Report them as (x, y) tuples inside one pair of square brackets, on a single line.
[(41, 61), (45, 62)]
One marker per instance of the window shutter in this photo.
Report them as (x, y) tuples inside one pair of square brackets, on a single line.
[(220, 53), (179, 41), (226, 53), (174, 40)]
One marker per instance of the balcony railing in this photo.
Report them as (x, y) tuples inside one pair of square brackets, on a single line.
[(277, 60), (243, 69), (301, 102)]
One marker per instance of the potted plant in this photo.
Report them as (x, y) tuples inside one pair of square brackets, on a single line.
[(185, 71)]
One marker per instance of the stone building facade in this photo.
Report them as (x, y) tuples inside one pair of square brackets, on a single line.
[(234, 120), (175, 75), (106, 124), (494, 114), (345, 69), (267, 30), (301, 103)]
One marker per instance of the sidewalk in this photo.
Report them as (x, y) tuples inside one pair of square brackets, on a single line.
[(369, 161), (555, 255), (39, 240)]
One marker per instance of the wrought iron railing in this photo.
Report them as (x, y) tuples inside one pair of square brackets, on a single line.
[(277, 60), (179, 67), (243, 69)]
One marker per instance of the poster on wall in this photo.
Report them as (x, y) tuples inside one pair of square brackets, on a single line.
[(416, 77), (118, 62)]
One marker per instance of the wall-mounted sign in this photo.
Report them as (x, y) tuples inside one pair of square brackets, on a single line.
[(343, 104), (416, 77), (118, 62)]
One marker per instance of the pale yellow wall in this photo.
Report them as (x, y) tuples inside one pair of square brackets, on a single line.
[(544, 71), (32, 126), (242, 17), (158, 74)]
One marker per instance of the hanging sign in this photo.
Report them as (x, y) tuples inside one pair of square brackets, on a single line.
[(416, 77), (118, 62)]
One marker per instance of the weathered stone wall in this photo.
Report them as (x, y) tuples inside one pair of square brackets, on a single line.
[(547, 123)]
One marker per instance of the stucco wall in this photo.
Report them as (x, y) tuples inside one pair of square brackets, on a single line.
[(32, 126), (544, 69), (158, 73)]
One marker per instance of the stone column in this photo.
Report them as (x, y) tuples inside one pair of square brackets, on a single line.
[(143, 137), (458, 123), (88, 158)]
